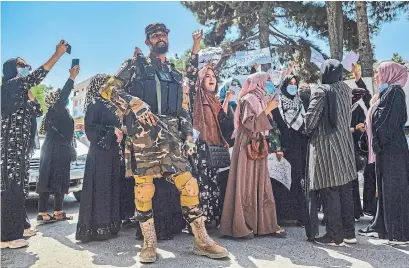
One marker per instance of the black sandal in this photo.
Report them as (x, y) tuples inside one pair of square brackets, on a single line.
[(44, 219), (61, 216), (280, 233)]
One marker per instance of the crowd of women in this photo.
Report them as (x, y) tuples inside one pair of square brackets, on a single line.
[(328, 134)]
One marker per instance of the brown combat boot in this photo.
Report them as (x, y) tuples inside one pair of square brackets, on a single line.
[(204, 245), (148, 252)]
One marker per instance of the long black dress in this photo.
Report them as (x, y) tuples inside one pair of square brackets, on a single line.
[(54, 176), (369, 195), (15, 137), (392, 168), (291, 205), (99, 216)]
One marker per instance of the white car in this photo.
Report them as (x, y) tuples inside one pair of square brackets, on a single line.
[(76, 172)]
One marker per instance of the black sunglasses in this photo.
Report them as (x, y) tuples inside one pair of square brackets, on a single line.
[(23, 65)]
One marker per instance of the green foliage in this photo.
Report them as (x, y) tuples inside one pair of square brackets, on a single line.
[(397, 58), (180, 62), (39, 92)]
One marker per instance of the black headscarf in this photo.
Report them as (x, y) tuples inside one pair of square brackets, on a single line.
[(331, 73), (284, 84), (12, 97), (9, 70)]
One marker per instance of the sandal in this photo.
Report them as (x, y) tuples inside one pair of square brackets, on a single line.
[(61, 216), (45, 218), (14, 244), (29, 233), (280, 233)]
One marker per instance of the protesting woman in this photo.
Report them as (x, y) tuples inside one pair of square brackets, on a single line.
[(389, 150), (208, 117), (249, 207), (15, 139), (99, 217), (57, 152), (290, 116)]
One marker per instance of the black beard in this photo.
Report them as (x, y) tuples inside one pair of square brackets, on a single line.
[(160, 49)]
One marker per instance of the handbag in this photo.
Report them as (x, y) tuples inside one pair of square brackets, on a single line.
[(217, 156), (257, 148), (73, 152)]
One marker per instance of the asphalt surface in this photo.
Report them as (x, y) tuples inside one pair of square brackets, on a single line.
[(55, 246)]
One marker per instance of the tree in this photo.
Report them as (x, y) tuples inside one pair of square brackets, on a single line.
[(39, 92), (180, 62), (365, 48), (397, 58), (335, 28), (241, 25)]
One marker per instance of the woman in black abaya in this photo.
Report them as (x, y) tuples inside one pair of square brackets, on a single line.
[(386, 138), (15, 137), (99, 216), (291, 205)]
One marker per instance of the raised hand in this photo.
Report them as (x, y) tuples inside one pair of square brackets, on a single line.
[(61, 48), (74, 72), (197, 38), (137, 51)]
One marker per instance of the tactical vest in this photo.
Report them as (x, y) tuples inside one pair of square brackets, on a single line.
[(160, 88)]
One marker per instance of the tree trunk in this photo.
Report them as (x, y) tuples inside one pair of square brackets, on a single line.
[(264, 30), (365, 48), (335, 28)]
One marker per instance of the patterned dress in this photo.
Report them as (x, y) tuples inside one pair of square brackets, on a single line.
[(15, 139)]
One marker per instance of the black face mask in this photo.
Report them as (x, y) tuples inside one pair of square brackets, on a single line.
[(160, 48)]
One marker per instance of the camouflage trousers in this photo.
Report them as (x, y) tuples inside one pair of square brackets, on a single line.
[(152, 151), (189, 196)]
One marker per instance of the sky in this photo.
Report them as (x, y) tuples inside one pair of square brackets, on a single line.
[(104, 34)]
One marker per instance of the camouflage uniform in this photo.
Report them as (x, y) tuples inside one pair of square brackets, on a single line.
[(156, 151)]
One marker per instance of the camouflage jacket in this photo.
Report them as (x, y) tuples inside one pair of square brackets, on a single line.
[(154, 151)]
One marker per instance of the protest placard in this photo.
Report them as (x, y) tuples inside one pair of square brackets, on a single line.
[(275, 76), (350, 58), (316, 58), (248, 58), (212, 54), (280, 170)]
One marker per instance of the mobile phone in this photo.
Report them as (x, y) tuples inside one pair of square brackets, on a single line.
[(75, 62), (68, 48)]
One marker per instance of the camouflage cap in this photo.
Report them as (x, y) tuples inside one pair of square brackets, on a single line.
[(155, 27)]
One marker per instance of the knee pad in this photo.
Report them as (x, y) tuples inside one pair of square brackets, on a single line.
[(189, 189), (144, 193)]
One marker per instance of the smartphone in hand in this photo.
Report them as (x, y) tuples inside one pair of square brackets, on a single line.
[(68, 48), (75, 62)]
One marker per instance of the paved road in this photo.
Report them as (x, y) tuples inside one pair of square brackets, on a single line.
[(55, 246)]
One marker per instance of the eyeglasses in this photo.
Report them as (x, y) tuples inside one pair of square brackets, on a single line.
[(23, 65)]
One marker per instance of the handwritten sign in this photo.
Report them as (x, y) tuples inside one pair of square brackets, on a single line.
[(316, 58), (213, 54), (280, 170), (350, 58), (275, 76), (248, 58)]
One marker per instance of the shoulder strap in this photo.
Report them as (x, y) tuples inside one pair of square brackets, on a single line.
[(58, 132)]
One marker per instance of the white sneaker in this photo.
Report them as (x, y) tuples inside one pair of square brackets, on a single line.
[(350, 240)]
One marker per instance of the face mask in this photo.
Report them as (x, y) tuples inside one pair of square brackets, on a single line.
[(382, 87), (270, 88), (22, 72), (292, 90), (235, 88), (259, 69)]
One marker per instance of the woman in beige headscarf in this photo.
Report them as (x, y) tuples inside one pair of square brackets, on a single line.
[(249, 207)]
